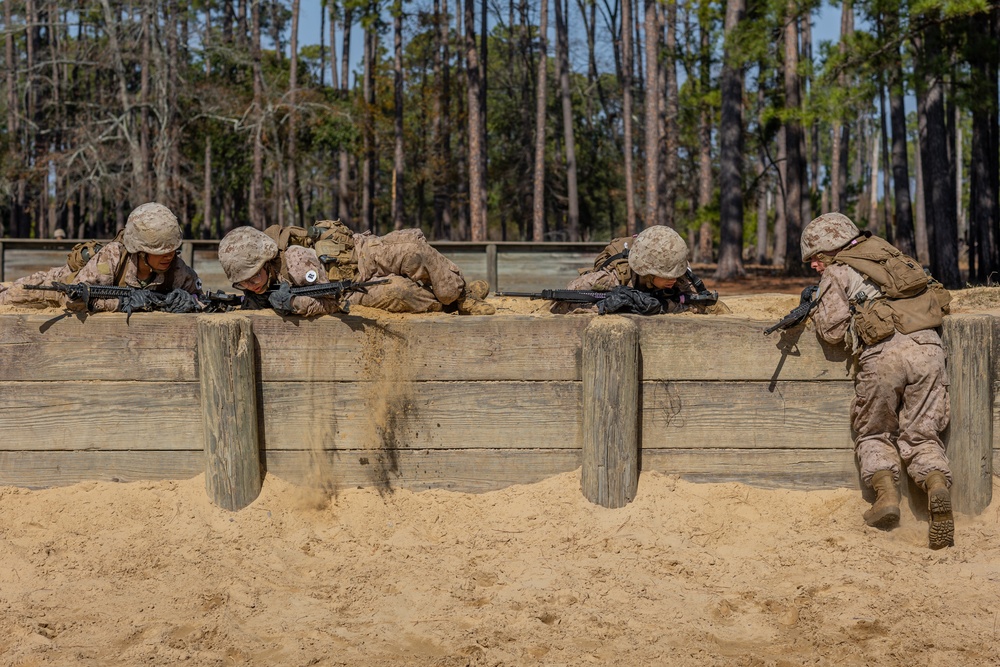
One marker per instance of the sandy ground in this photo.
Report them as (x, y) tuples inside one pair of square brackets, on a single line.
[(687, 574)]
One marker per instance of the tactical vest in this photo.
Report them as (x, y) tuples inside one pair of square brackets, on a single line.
[(83, 252), (332, 240), (614, 258), (911, 300)]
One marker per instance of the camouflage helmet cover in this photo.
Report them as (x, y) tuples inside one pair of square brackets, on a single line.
[(827, 233), (153, 229), (244, 251), (658, 251)]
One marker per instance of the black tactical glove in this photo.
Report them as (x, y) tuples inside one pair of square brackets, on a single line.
[(179, 301), (139, 300), (808, 294), (624, 299), (281, 299), (77, 297)]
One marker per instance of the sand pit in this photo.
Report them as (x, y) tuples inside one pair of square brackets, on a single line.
[(712, 574), (687, 574)]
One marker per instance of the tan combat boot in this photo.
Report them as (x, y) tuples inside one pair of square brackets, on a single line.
[(884, 512), (478, 289), (472, 300), (941, 531)]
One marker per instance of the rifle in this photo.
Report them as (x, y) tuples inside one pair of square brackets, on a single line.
[(86, 293), (703, 297), (219, 301), (799, 313), (337, 289)]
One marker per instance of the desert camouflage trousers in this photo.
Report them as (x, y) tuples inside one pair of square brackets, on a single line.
[(421, 279), (901, 406)]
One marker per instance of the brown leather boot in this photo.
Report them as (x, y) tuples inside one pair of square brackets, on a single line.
[(941, 531), (884, 512)]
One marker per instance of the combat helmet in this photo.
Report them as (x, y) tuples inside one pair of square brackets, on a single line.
[(658, 251), (827, 233), (152, 229), (244, 251)]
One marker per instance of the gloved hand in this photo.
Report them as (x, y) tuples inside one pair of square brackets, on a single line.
[(281, 299), (179, 301), (77, 297), (139, 300), (623, 299), (808, 294)]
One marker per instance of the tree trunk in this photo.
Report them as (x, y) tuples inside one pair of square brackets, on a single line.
[(841, 129), (476, 124), (398, 158), (294, 204), (793, 143), (626, 50), (904, 238), (984, 208), (703, 247), (538, 201), (368, 165), (343, 158), (652, 133), (731, 153), (572, 194), (671, 142), (942, 237), (257, 215)]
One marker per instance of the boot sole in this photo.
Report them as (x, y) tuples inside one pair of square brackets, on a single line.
[(941, 532), (887, 519)]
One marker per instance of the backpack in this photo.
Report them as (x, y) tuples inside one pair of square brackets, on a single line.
[(83, 252), (332, 240), (614, 258), (912, 299)]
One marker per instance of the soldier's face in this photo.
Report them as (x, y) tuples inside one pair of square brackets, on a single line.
[(663, 283), (818, 266), (160, 263), (256, 283)]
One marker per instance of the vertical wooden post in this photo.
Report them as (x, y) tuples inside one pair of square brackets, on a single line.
[(2, 260), (610, 471), (969, 340), (228, 378), (491, 266)]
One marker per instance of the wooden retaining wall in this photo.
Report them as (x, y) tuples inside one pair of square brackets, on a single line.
[(463, 403)]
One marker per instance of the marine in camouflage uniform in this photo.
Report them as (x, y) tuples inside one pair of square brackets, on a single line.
[(653, 260), (421, 279), (254, 264), (145, 257), (901, 403)]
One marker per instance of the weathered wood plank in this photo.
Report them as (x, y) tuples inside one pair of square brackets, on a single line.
[(444, 347), (227, 368), (969, 438), (60, 468), (155, 347), (808, 415), (610, 472), (725, 347), (100, 415), (783, 468), (470, 471), (439, 415)]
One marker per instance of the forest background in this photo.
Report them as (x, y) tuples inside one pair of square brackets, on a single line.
[(526, 120)]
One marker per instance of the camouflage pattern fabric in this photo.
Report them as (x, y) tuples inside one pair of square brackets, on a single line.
[(302, 267), (100, 270), (421, 279), (901, 387)]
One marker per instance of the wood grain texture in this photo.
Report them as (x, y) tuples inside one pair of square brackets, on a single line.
[(779, 468), (44, 469), (751, 415), (227, 370), (610, 471), (726, 347), (437, 415), (76, 415), (969, 437), (154, 347)]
